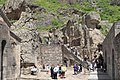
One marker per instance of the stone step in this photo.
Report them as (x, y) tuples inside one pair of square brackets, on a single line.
[(98, 75)]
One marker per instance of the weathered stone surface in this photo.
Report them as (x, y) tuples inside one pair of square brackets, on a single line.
[(9, 69), (51, 54), (96, 38), (13, 8), (29, 45), (111, 49), (115, 2), (25, 28), (92, 19)]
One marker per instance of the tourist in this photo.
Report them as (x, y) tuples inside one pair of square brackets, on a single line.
[(93, 64), (34, 70), (104, 67), (43, 66), (78, 67), (75, 69), (60, 71), (55, 71), (64, 69), (85, 63), (51, 70), (47, 68), (101, 60)]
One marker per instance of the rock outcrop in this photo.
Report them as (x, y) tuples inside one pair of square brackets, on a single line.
[(115, 2), (14, 8), (92, 19), (30, 44)]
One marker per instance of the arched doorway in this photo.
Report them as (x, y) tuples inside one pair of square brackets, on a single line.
[(2, 50)]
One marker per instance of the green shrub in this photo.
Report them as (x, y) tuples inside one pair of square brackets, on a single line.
[(104, 30), (57, 23), (109, 12), (43, 28), (2, 2)]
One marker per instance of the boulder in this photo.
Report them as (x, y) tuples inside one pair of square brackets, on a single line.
[(92, 19)]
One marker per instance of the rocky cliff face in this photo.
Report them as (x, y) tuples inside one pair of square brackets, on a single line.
[(115, 2), (80, 28), (30, 44), (14, 8)]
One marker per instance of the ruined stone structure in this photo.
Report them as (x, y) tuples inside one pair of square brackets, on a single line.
[(10, 53), (85, 37), (51, 54), (30, 43), (50, 49), (111, 51), (75, 36)]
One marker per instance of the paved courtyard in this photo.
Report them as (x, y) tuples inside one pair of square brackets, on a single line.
[(69, 76)]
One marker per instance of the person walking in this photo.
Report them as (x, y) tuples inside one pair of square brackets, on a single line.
[(75, 69), (80, 67), (51, 71), (55, 71), (64, 69), (47, 68), (60, 71)]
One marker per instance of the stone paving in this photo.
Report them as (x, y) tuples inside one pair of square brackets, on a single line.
[(98, 75), (69, 76)]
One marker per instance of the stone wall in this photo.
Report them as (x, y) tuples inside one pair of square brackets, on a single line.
[(30, 43), (111, 51), (107, 51), (51, 54), (117, 48), (8, 63)]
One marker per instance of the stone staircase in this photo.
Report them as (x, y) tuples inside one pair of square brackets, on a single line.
[(76, 57), (98, 75), (94, 75)]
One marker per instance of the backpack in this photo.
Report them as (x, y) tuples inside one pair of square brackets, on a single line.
[(56, 69)]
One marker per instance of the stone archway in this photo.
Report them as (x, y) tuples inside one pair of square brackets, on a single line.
[(3, 43)]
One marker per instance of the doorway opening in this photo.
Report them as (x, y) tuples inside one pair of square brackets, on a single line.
[(2, 51)]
